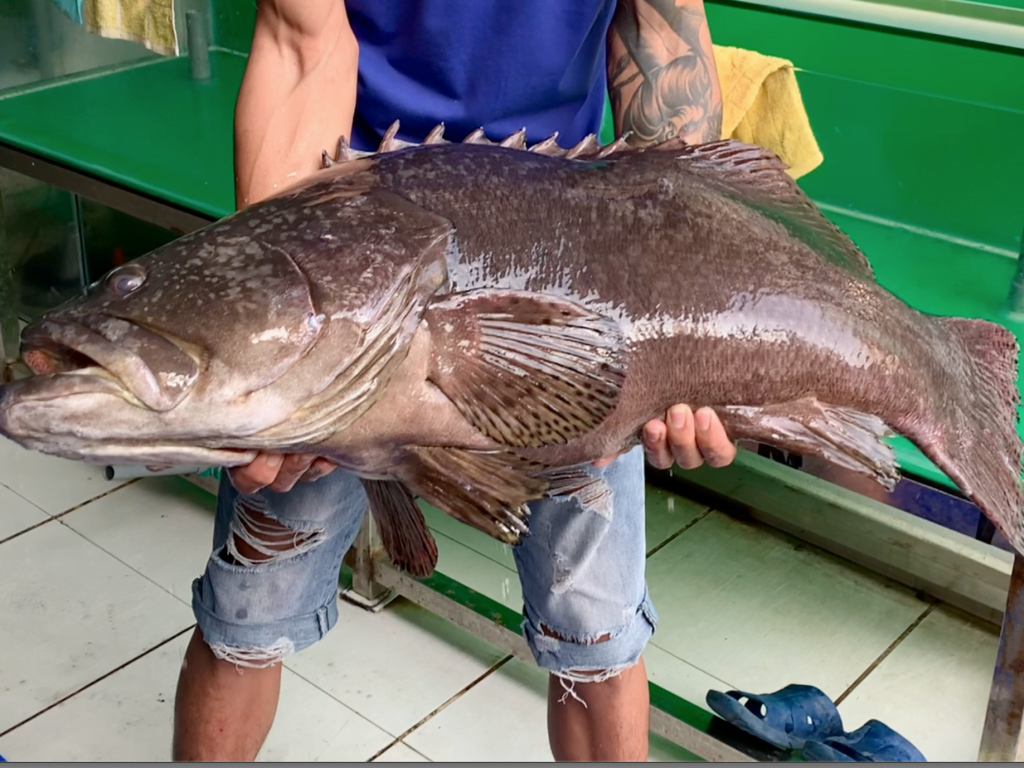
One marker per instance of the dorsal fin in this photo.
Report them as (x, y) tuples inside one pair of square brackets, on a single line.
[(587, 146), (388, 142), (477, 137), (549, 146), (588, 149), (516, 141), (619, 145), (757, 177), (436, 135)]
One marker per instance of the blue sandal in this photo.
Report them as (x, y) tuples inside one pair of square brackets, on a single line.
[(785, 719), (873, 742)]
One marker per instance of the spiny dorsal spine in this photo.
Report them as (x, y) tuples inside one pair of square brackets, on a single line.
[(587, 149)]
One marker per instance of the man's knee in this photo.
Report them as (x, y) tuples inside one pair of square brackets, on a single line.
[(549, 632), (590, 655), (256, 538)]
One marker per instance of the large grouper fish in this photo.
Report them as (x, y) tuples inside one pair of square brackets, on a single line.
[(475, 323)]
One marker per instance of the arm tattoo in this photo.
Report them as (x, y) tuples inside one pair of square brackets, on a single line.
[(661, 72)]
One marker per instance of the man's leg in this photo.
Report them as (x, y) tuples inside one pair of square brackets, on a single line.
[(269, 590), (588, 616)]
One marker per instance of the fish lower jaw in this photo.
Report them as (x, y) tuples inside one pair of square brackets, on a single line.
[(170, 455), (102, 374)]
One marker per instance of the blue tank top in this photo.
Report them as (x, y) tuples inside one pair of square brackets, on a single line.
[(497, 64)]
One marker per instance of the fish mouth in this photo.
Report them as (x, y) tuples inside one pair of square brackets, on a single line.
[(110, 355)]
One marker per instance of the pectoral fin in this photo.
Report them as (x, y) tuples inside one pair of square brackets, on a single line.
[(526, 370)]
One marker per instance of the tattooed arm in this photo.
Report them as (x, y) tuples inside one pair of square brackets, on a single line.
[(663, 83), (661, 72)]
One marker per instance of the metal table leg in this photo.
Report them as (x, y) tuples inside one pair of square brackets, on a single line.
[(363, 558), (1001, 739)]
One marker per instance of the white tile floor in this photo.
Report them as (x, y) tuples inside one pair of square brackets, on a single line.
[(94, 617)]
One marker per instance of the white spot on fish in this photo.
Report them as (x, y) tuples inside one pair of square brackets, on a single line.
[(176, 380), (271, 334)]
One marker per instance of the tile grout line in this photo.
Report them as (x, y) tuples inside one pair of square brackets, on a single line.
[(690, 664), (677, 534), (129, 566), (892, 647), (59, 515), (436, 533), (451, 700), (99, 679), (396, 742), (86, 539), (313, 683), (356, 712)]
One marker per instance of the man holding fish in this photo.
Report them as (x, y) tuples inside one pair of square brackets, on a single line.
[(319, 69)]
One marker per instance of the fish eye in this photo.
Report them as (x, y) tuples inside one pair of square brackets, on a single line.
[(126, 281)]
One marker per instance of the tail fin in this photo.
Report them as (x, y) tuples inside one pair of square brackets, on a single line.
[(973, 437)]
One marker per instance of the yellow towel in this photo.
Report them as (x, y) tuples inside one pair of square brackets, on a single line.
[(761, 105), (147, 22)]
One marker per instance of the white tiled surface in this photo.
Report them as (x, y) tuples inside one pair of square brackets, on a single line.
[(127, 717), (509, 704), (933, 688), (679, 676), (395, 667), (71, 613), (400, 753), (54, 485), (17, 514), (759, 609), (94, 619), (161, 527)]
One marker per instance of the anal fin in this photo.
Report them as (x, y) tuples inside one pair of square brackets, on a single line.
[(403, 530), (843, 436), (487, 490)]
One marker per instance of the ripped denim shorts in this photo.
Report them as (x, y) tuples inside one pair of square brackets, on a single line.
[(586, 614)]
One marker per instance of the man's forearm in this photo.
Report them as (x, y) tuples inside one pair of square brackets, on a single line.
[(661, 72), (297, 95)]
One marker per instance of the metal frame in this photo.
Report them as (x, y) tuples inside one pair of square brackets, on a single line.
[(9, 325), (375, 580)]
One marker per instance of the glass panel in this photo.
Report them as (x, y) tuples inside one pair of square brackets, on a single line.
[(112, 238), (45, 248), (42, 238), (38, 42)]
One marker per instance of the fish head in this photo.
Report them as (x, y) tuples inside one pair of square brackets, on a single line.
[(192, 352)]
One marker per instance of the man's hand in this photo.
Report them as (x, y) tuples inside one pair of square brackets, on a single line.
[(688, 439), (685, 438), (279, 472)]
